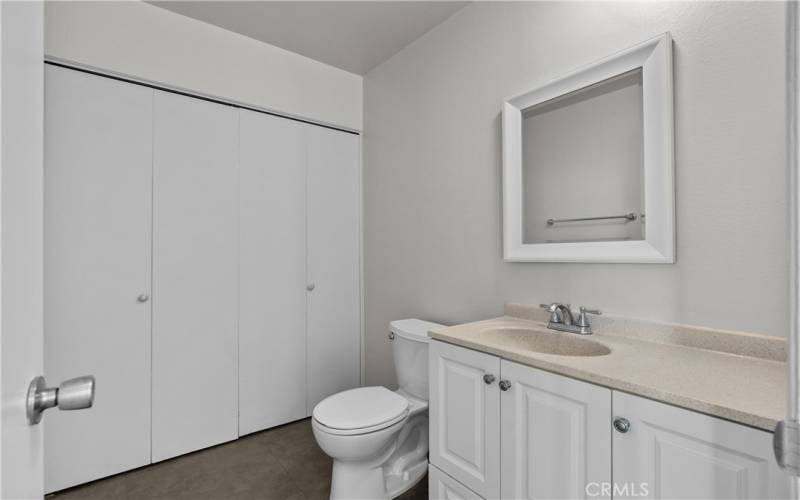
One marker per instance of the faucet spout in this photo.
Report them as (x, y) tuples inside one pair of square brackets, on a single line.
[(565, 313), (561, 318)]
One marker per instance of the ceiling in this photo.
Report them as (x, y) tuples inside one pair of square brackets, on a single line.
[(355, 36)]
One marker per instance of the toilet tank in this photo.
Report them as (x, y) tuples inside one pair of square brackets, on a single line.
[(410, 351)]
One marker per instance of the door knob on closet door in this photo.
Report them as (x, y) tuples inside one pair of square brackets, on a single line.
[(143, 298), (73, 394), (310, 287)]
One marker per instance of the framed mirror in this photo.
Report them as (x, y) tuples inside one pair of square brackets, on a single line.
[(588, 163)]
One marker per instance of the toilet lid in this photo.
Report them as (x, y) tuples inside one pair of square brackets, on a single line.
[(360, 408)]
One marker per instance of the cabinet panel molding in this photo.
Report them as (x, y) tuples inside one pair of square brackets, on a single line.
[(556, 436), (465, 417), (443, 487), (670, 452)]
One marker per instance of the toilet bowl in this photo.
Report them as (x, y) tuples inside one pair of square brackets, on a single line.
[(377, 438)]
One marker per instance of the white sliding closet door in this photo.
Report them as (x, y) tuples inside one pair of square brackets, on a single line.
[(272, 273), (195, 269), (334, 304), (97, 185)]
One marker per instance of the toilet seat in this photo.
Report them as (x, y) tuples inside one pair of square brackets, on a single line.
[(360, 411)]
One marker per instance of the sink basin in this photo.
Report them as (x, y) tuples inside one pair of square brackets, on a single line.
[(546, 342)]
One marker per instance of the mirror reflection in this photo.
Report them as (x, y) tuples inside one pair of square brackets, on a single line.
[(582, 164)]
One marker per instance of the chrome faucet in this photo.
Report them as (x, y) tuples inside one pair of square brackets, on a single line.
[(561, 318)]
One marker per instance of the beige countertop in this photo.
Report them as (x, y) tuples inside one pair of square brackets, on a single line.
[(743, 388)]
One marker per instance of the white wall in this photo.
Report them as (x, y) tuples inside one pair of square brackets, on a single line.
[(138, 39), (432, 167)]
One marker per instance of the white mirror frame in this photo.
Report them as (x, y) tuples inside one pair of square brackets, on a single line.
[(654, 57)]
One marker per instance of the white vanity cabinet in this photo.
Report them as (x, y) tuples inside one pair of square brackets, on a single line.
[(505, 430), (550, 433), (464, 416), (555, 434), (669, 452), (440, 485)]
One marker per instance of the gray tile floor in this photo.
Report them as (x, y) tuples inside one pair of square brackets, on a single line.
[(280, 463)]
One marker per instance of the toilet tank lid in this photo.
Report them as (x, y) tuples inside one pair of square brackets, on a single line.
[(413, 329)]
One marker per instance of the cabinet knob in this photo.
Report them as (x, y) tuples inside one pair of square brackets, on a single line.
[(310, 287), (504, 385), (622, 425), (143, 298), (488, 378)]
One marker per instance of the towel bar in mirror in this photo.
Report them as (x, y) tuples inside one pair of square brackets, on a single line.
[(594, 147)]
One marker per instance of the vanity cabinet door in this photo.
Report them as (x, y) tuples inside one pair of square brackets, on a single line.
[(669, 452), (465, 416), (556, 436)]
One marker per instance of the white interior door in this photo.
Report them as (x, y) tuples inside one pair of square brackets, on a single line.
[(272, 271), (334, 303), (21, 116), (556, 435), (195, 269), (98, 183)]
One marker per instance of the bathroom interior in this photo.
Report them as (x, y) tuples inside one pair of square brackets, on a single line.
[(390, 249)]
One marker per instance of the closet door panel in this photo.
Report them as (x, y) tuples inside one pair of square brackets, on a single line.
[(272, 273), (195, 269), (97, 211), (334, 304)]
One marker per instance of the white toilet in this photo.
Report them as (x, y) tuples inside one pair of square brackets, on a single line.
[(378, 439)]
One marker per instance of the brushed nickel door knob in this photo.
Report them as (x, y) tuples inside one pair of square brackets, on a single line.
[(73, 394)]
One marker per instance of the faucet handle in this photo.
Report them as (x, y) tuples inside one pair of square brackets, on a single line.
[(553, 310), (582, 319)]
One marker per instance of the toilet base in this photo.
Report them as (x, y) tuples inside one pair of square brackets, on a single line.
[(352, 481), (399, 484), (397, 470)]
